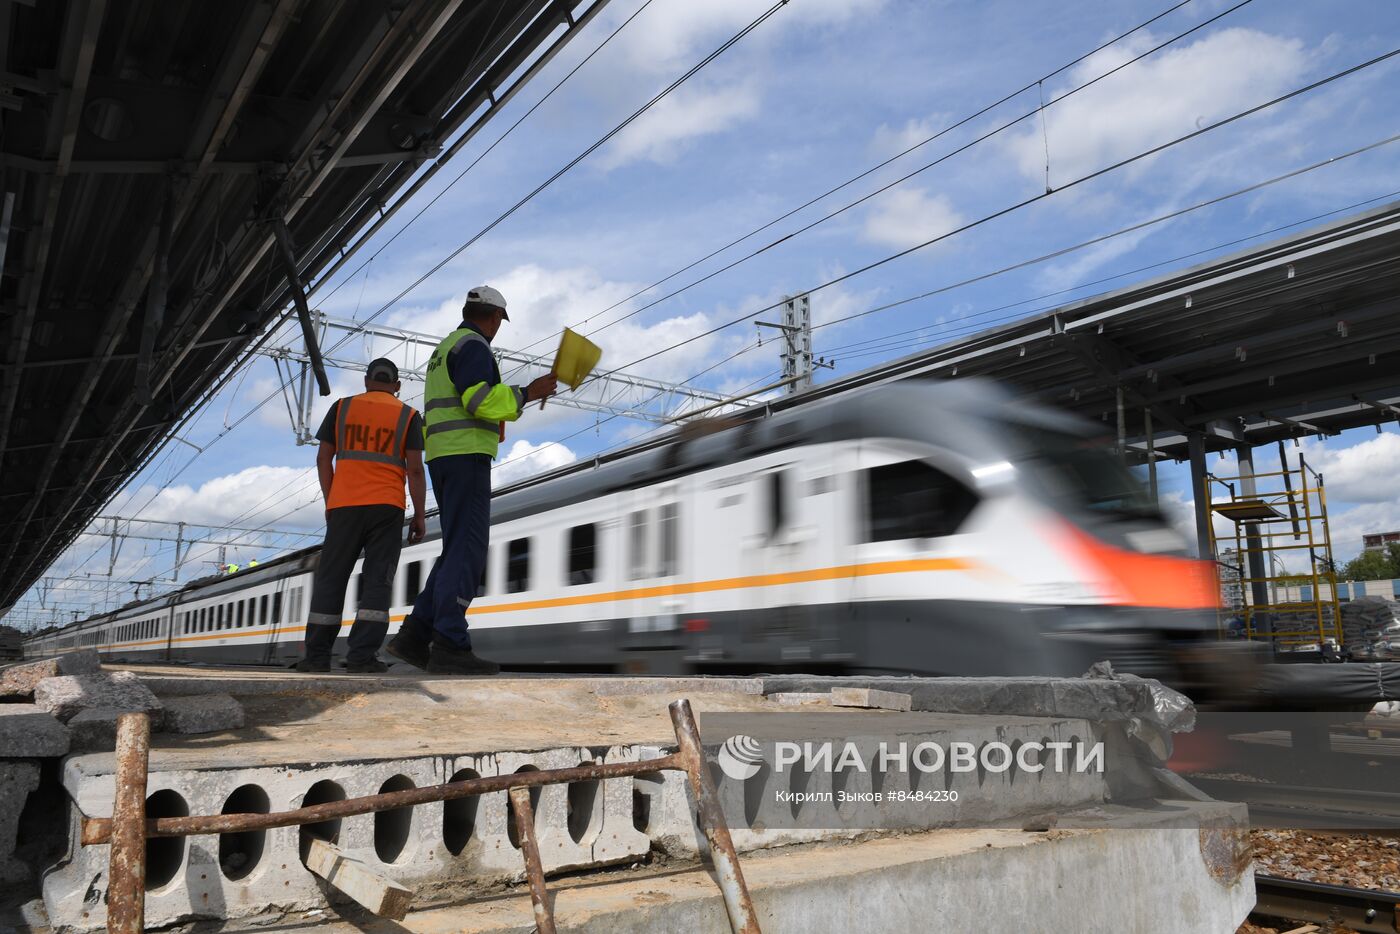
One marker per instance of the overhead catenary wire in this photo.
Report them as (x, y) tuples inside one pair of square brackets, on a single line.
[(222, 382), (666, 91), (906, 177), (753, 24), (1026, 202), (569, 75), (942, 330), (1086, 178), (588, 151), (486, 152), (310, 484), (1122, 231), (892, 159)]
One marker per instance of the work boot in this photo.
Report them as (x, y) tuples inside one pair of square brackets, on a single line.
[(408, 649), (447, 660), (314, 664), (372, 667)]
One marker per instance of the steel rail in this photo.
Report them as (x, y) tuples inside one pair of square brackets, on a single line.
[(1367, 910)]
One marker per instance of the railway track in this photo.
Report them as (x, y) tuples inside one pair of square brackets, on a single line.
[(1364, 910), (1299, 807)]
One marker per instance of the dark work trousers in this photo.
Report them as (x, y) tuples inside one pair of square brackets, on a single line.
[(462, 486), (377, 531)]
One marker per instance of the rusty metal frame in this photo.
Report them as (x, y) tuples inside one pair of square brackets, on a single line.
[(128, 829)]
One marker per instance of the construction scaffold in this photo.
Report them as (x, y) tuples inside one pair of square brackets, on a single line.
[(1278, 579)]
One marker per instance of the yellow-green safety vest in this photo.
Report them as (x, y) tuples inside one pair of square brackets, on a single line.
[(469, 423)]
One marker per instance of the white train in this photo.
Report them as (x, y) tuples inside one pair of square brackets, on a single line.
[(923, 527)]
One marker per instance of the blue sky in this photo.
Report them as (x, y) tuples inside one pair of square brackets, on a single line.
[(821, 91)]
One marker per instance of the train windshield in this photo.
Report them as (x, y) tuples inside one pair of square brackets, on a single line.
[(1087, 471)]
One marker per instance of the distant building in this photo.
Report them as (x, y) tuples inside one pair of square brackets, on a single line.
[(1376, 541), (1346, 590)]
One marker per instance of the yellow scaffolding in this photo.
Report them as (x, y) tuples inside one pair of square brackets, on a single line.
[(1275, 516)]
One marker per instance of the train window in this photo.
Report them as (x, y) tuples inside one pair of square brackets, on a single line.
[(262, 610), (238, 615), (413, 580), (638, 544), (669, 527), (777, 502), (518, 566), (583, 554), (913, 500), (358, 592), (277, 608)]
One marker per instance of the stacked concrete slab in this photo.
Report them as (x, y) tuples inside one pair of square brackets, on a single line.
[(29, 733), (54, 706)]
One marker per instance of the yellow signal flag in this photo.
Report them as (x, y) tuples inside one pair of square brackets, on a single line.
[(576, 358)]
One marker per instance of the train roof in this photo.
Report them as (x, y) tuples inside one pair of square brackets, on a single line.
[(906, 409)]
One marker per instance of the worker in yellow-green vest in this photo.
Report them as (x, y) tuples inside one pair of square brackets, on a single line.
[(465, 408)]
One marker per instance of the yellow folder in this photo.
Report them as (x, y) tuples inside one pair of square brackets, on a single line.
[(576, 358)]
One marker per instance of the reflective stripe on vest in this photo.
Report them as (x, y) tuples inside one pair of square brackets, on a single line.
[(449, 425), (371, 436)]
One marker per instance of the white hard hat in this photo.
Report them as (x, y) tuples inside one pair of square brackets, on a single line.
[(488, 296)]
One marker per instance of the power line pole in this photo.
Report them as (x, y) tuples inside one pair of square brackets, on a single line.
[(796, 328)]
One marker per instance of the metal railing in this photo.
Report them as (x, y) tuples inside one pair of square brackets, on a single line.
[(128, 829)]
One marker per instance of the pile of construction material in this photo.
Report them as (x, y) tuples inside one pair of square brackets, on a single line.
[(1371, 628), (66, 704)]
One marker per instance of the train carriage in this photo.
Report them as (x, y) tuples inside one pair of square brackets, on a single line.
[(923, 527)]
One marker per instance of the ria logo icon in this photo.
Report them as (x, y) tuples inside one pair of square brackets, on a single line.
[(740, 757)]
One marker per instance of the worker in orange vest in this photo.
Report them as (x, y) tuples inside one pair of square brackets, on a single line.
[(369, 445)]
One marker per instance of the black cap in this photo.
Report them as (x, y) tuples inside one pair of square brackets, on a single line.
[(382, 370)]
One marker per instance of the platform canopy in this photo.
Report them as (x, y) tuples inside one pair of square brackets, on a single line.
[(165, 163), (1296, 337)]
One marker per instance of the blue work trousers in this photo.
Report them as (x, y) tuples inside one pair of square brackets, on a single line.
[(462, 487)]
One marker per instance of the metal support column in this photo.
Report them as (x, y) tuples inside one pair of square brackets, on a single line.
[(1200, 496), (1254, 547), (1151, 454)]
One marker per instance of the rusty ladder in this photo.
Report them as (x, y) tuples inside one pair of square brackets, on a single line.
[(128, 829)]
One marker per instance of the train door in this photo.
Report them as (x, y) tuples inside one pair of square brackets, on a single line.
[(799, 591), (171, 618), (655, 549), (274, 621), (913, 596)]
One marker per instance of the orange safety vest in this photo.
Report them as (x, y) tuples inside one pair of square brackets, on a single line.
[(371, 433)]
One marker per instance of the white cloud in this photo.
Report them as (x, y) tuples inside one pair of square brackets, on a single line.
[(889, 141), (671, 36), (543, 301), (659, 135), (1362, 473), (525, 459), (250, 498), (904, 217), (1163, 96)]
